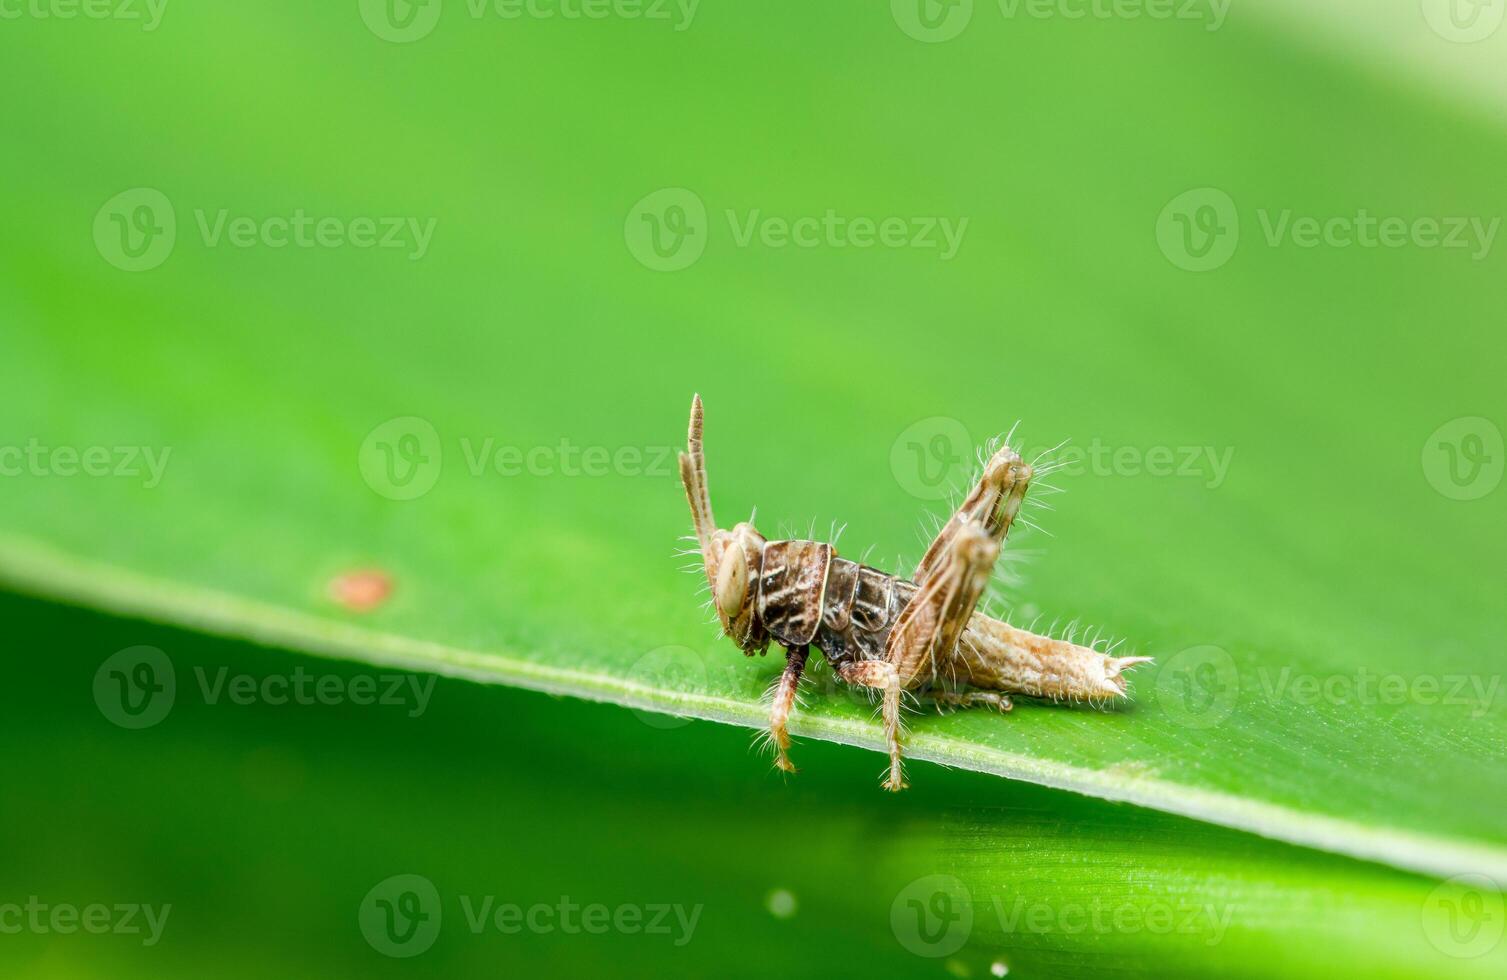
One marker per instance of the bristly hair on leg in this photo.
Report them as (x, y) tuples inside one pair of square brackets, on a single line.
[(762, 742)]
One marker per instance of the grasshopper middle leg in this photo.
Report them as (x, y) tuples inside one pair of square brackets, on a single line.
[(882, 676)]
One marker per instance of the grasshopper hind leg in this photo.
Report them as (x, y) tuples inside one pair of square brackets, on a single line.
[(925, 635)]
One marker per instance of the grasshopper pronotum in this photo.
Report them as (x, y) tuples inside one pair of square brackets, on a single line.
[(883, 632)]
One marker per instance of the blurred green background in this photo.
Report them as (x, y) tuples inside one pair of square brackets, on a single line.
[(1243, 257)]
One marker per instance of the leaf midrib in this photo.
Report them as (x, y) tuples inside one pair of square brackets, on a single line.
[(33, 567)]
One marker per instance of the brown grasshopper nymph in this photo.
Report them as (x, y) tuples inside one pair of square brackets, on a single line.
[(887, 633)]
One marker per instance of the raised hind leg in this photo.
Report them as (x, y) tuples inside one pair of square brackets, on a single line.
[(954, 573), (950, 580), (993, 504)]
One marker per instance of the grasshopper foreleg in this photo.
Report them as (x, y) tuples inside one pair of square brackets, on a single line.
[(784, 699)]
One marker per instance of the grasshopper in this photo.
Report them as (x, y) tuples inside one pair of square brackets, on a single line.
[(920, 635)]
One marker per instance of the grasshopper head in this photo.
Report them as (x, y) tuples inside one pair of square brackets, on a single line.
[(733, 559), (733, 569)]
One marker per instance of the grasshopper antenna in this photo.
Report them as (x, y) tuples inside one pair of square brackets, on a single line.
[(693, 475)]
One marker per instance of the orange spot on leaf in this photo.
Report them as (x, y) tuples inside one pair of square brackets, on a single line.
[(361, 590)]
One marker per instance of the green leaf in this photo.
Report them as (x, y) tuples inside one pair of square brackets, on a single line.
[(1323, 599), (265, 817)]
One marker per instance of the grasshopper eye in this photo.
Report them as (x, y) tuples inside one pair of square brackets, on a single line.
[(732, 582)]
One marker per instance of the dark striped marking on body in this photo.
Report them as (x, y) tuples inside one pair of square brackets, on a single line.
[(791, 586), (860, 606)]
